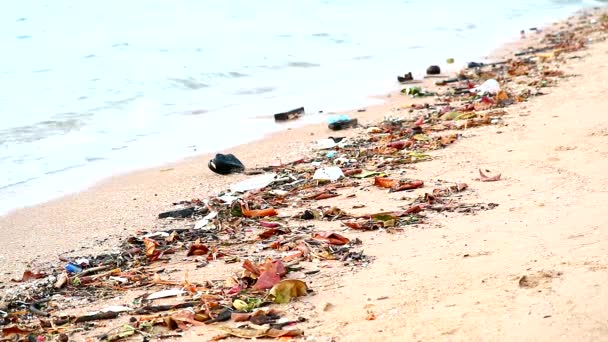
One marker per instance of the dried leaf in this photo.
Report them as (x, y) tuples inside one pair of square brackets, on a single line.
[(258, 213), (401, 144), (151, 251), (29, 275), (385, 182), (14, 330), (197, 248), (256, 333), (365, 174), (249, 266), (287, 289), (270, 274), (266, 224), (331, 238), (410, 185), (448, 139)]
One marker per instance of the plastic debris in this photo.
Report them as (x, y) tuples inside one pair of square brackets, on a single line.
[(490, 86), (225, 164), (289, 115), (254, 183), (331, 173)]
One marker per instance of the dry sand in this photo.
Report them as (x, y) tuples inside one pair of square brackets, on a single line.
[(459, 279)]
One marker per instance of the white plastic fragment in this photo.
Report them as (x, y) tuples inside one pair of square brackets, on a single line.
[(116, 308), (490, 86), (165, 294), (156, 234), (325, 144), (332, 173), (254, 183), (205, 220)]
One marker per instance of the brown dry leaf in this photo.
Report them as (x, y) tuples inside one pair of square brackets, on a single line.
[(172, 237), (14, 330), (284, 290), (256, 333), (487, 178), (197, 248), (185, 316), (410, 185), (151, 251), (29, 275), (331, 238), (158, 280), (448, 139), (259, 213), (272, 232), (502, 96), (385, 182)]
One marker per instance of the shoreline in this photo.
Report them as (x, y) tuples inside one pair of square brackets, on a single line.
[(524, 258), (105, 171), (119, 205)]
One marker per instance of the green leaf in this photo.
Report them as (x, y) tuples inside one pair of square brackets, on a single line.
[(366, 174)]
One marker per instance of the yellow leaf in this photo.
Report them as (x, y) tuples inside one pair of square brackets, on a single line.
[(284, 290)]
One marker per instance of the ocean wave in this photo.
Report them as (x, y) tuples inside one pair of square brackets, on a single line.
[(303, 65)]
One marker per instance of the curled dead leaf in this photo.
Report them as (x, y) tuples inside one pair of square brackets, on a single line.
[(29, 275), (150, 246), (197, 248), (385, 182), (487, 178), (331, 238), (270, 274), (285, 290), (258, 213)]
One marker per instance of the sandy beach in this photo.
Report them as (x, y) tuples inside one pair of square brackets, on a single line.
[(531, 269)]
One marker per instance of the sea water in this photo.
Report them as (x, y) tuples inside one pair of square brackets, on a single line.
[(90, 89)]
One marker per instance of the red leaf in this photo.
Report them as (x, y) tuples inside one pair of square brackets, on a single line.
[(197, 248), (259, 213), (266, 281), (402, 186), (270, 273), (385, 182), (269, 233), (331, 238), (29, 275), (353, 224), (266, 224), (351, 172)]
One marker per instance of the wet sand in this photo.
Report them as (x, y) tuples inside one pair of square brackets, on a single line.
[(457, 280)]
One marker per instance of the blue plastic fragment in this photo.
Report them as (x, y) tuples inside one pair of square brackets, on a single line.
[(337, 118), (73, 268)]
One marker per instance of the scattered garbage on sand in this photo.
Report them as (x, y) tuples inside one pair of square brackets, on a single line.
[(265, 230)]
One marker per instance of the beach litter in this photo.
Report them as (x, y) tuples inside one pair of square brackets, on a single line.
[(433, 70), (407, 77), (225, 164), (341, 122), (289, 115)]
